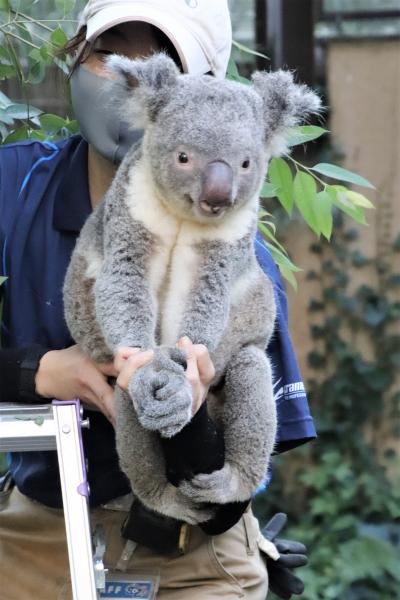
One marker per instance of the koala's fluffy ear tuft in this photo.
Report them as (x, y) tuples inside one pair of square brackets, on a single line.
[(148, 83), (285, 105), (154, 73)]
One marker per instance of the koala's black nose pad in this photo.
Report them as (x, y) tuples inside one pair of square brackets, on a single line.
[(217, 184)]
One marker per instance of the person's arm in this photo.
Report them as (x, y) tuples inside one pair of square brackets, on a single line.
[(35, 374), (18, 368)]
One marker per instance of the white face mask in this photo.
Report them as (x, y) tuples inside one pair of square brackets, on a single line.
[(99, 124)]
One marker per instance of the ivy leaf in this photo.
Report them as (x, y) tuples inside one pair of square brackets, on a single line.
[(58, 38), (336, 172), (6, 71), (22, 111), (52, 123), (281, 177), (304, 134), (4, 118), (18, 135), (305, 192), (268, 190)]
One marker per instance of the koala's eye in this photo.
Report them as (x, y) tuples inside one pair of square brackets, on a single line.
[(246, 164), (183, 158)]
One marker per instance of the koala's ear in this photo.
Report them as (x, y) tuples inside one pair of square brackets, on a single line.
[(148, 82), (285, 104)]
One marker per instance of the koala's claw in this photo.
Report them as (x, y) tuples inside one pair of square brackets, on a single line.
[(161, 394)]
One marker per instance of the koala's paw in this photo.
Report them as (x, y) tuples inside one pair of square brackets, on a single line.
[(190, 512), (218, 487), (161, 393)]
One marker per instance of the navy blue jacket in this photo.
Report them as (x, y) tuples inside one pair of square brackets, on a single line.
[(44, 201)]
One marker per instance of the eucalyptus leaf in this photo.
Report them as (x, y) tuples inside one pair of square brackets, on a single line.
[(281, 177), (323, 212), (303, 134), (335, 172), (305, 193), (268, 190), (359, 200), (338, 195), (248, 50)]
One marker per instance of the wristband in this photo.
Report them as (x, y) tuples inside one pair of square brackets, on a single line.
[(27, 374)]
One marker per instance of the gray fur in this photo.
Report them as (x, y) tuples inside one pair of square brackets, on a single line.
[(161, 393), (210, 121)]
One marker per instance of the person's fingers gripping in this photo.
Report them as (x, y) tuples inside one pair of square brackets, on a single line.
[(130, 366), (121, 356), (192, 373), (204, 364)]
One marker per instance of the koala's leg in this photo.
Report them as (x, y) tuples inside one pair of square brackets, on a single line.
[(250, 424), (142, 461), (161, 393)]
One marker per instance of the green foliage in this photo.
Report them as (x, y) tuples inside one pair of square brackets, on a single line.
[(314, 198), (29, 46), (343, 504)]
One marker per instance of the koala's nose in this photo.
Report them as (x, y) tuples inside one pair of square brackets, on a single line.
[(217, 187)]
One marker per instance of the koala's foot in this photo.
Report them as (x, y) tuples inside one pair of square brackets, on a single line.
[(161, 393), (185, 509), (218, 487)]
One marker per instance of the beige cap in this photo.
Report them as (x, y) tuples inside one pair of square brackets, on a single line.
[(200, 30)]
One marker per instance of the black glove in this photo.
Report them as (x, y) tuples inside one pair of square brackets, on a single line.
[(282, 581)]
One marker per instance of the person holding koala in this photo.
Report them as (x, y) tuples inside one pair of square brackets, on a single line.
[(64, 183)]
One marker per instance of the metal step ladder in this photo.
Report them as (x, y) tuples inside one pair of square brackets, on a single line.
[(58, 427)]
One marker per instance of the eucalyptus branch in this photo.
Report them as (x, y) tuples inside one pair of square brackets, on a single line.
[(299, 165), (32, 20), (39, 37), (21, 39)]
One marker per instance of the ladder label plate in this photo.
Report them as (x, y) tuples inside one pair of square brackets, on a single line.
[(125, 587)]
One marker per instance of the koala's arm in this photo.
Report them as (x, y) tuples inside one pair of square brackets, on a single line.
[(250, 425), (123, 301), (79, 302), (207, 310)]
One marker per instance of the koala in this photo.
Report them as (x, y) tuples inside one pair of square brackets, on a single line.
[(168, 253)]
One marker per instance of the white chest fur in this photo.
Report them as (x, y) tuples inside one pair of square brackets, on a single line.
[(175, 261)]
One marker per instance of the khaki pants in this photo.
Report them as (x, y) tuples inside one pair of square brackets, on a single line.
[(34, 558)]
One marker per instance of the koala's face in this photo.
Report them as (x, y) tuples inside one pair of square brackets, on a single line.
[(206, 148)]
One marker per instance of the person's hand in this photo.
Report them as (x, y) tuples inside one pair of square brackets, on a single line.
[(199, 371), (69, 374), (282, 580)]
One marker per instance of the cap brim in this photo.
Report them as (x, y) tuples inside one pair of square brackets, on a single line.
[(190, 52)]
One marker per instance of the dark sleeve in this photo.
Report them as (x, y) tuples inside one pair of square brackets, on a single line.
[(18, 367), (199, 448)]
